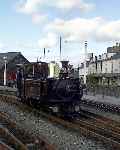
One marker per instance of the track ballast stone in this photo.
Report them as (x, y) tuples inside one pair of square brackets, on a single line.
[(61, 137)]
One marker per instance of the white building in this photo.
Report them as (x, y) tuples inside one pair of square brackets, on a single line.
[(54, 69), (81, 70), (107, 65)]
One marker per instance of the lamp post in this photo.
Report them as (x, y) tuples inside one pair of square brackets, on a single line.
[(5, 70), (85, 63), (33, 70), (103, 89), (60, 46)]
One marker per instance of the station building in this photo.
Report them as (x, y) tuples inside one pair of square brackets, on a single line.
[(12, 59)]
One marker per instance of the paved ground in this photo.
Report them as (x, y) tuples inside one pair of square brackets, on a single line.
[(7, 88), (100, 98), (103, 113)]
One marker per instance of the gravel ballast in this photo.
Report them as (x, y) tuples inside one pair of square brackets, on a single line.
[(61, 137)]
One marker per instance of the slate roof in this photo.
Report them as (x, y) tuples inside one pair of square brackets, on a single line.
[(10, 56)]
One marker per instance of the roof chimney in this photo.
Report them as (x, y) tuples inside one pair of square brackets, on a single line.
[(117, 44)]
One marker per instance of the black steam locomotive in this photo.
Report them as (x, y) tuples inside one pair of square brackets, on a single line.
[(59, 95)]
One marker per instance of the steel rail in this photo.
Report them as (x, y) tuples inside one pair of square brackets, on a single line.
[(9, 126), (83, 129), (5, 133), (104, 121)]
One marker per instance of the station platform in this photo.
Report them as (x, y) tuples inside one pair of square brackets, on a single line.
[(103, 102), (2, 88), (8, 90), (103, 99)]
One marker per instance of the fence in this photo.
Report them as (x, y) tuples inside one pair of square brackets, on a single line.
[(105, 90)]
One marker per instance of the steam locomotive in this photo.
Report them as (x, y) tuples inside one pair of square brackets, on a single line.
[(60, 95)]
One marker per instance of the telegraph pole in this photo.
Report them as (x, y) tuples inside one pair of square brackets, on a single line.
[(33, 70), (85, 63), (44, 53)]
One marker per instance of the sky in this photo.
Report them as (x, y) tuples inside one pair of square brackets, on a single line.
[(29, 26)]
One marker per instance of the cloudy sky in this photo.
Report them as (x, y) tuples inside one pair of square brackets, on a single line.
[(30, 25)]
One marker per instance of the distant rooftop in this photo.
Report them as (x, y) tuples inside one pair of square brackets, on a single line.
[(116, 56), (10, 56), (114, 49)]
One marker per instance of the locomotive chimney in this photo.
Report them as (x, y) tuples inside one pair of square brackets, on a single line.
[(64, 70), (65, 64)]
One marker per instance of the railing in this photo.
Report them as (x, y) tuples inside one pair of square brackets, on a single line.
[(105, 90)]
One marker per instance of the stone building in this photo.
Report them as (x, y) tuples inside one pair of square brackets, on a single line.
[(12, 58), (114, 49), (81, 69), (105, 66)]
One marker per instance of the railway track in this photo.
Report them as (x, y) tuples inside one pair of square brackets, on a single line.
[(105, 129), (101, 106), (96, 126), (14, 138), (8, 139), (89, 125)]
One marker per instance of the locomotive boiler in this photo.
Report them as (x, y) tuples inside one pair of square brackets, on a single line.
[(59, 95)]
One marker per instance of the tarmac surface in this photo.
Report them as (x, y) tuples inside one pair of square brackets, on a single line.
[(106, 106)]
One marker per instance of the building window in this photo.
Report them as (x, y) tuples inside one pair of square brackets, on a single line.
[(116, 70), (105, 70), (101, 65)]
